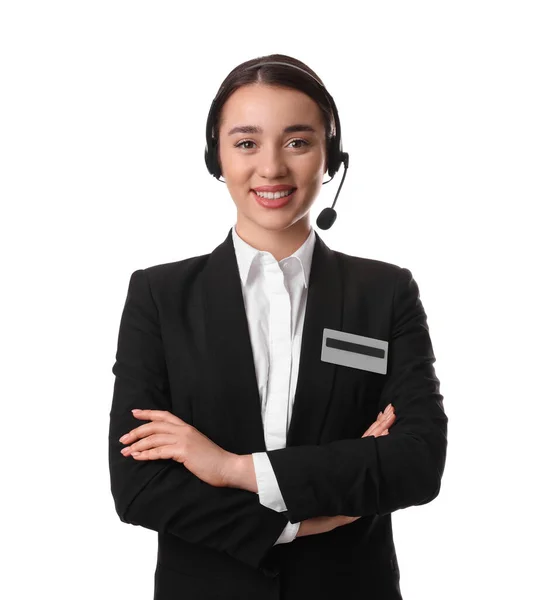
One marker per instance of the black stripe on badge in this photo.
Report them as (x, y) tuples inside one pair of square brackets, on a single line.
[(352, 347)]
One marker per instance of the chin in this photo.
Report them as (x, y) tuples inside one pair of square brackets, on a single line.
[(273, 222)]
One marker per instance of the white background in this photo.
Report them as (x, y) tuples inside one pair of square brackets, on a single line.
[(448, 113)]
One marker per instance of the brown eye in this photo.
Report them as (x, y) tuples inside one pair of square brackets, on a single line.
[(304, 142), (240, 144)]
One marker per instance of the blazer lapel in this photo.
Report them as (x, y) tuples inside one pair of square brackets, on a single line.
[(231, 356), (315, 380)]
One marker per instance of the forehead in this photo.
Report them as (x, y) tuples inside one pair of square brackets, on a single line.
[(258, 104)]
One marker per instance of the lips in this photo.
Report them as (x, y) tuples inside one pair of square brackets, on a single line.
[(271, 203)]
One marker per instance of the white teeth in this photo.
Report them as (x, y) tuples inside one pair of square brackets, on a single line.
[(271, 196)]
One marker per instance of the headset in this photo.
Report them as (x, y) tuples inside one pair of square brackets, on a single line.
[(336, 156)]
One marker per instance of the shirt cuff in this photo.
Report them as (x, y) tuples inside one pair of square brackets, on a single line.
[(289, 534), (269, 491)]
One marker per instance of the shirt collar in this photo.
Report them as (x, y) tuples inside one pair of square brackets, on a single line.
[(245, 254)]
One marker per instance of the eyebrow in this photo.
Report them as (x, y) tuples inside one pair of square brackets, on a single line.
[(256, 129)]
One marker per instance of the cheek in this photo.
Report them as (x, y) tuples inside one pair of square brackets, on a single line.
[(228, 161), (311, 170), (237, 173)]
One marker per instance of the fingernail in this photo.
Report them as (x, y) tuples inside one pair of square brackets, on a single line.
[(124, 438), (135, 453)]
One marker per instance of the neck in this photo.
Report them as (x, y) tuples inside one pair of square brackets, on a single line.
[(279, 242)]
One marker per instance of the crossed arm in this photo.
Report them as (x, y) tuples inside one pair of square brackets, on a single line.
[(241, 471), (374, 475), (166, 436)]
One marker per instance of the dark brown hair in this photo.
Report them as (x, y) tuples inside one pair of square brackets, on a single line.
[(272, 74)]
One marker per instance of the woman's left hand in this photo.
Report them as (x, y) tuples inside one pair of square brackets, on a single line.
[(167, 436)]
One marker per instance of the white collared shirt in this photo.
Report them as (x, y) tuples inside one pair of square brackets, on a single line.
[(275, 298)]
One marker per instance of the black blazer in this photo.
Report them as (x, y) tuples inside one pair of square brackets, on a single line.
[(184, 346)]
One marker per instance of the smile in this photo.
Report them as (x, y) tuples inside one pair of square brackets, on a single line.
[(269, 200), (274, 196)]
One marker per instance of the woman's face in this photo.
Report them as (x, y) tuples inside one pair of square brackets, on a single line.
[(272, 156)]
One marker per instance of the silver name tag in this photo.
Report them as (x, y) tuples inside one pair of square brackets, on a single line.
[(357, 351)]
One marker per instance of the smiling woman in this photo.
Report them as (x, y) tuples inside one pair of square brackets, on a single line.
[(288, 402)]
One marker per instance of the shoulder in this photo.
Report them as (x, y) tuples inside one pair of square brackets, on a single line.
[(168, 272), (385, 281), (362, 269), (166, 281)]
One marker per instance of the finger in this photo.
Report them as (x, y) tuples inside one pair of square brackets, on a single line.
[(388, 412), (371, 430), (382, 421), (383, 417), (143, 431), (377, 433), (152, 441), (378, 426), (148, 429), (156, 415), (160, 452), (387, 418)]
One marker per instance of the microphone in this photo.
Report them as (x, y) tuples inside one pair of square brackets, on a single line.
[(328, 215)]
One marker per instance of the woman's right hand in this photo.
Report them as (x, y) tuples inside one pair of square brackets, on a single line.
[(325, 524)]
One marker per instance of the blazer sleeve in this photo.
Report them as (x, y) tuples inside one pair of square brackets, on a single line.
[(368, 476), (270, 494), (163, 495)]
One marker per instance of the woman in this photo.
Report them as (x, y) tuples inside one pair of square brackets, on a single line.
[(257, 369)]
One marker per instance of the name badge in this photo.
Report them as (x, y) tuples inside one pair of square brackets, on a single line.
[(357, 351)]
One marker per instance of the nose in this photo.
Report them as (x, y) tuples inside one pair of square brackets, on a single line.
[(272, 163)]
